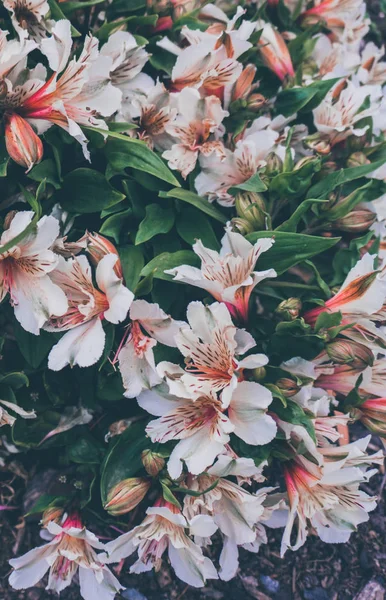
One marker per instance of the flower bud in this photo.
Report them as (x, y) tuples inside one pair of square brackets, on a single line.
[(256, 101), (98, 246), (23, 145), (153, 462), (243, 85), (125, 496), (258, 373), (275, 53), (3, 89), (345, 352), (307, 160), (8, 219), (328, 167), (117, 428), (251, 207), (318, 143), (289, 309), (52, 513), (287, 386), (357, 159), (241, 226), (274, 164), (355, 221)]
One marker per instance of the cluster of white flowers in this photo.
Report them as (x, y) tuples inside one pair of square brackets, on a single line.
[(213, 399)]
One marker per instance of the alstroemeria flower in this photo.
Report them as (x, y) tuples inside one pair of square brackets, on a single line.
[(274, 51), (85, 338), (338, 113), (74, 98), (331, 503), (203, 427), (128, 58), (210, 347), (28, 18), (25, 270), (136, 358), (236, 512), (70, 550), (372, 69), (337, 14), (228, 275), (372, 413), (333, 59), (218, 174), (195, 127), (13, 53), (7, 418), (314, 399), (165, 528)]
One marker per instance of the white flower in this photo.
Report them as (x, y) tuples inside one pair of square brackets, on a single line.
[(372, 69), (333, 59), (128, 58), (337, 115), (338, 15), (71, 549), (85, 338), (28, 17), (210, 346), (164, 528), (228, 275), (8, 419), (219, 174), (13, 54), (203, 427), (136, 359), (194, 128), (25, 269)]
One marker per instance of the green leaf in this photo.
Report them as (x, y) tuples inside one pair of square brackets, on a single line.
[(44, 502), (4, 158), (132, 261), (85, 450), (291, 224), (87, 191), (333, 180), (157, 220), (70, 7), (289, 249), (14, 380), (169, 260), (123, 458), (34, 348), (46, 170), (108, 28), (169, 496), (123, 151), (192, 225), (253, 184), (201, 203), (326, 320), (296, 182), (290, 101), (347, 204), (113, 225)]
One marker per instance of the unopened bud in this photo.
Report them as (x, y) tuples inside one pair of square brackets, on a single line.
[(274, 164), (318, 143), (241, 226), (22, 143), (311, 20), (256, 102), (328, 167), (125, 496), (153, 462), (357, 159), (53, 513), (311, 161), (98, 246), (345, 352), (3, 89), (251, 207), (258, 374), (287, 386), (309, 67), (243, 85), (355, 221), (117, 428), (289, 309), (8, 219)]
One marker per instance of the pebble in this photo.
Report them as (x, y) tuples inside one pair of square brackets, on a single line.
[(270, 585), (132, 594), (317, 593)]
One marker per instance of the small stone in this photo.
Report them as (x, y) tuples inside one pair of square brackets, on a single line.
[(317, 593), (251, 586), (270, 585), (372, 591), (132, 594)]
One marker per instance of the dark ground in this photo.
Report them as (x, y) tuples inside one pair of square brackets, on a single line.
[(318, 571)]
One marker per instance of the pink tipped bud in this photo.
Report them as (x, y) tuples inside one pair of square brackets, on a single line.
[(125, 496), (251, 207), (255, 102), (54, 513), (318, 143), (98, 247), (243, 85), (355, 221), (357, 159), (348, 352), (23, 145), (289, 309), (287, 386), (153, 462), (275, 53)]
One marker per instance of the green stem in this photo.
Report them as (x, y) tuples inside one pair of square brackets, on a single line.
[(288, 284)]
